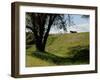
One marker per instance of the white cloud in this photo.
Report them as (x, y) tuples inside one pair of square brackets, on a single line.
[(78, 28)]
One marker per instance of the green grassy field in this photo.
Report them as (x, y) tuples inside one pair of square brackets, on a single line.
[(61, 49)]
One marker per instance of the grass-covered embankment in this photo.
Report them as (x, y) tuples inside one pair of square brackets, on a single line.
[(61, 49)]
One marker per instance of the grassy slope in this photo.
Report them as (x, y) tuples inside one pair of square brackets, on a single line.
[(58, 45)]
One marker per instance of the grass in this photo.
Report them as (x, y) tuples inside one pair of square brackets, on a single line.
[(63, 42), (61, 49), (34, 61)]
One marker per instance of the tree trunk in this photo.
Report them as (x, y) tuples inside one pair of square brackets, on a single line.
[(40, 48), (40, 34), (41, 43)]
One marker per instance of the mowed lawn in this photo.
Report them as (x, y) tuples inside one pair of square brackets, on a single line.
[(61, 45)]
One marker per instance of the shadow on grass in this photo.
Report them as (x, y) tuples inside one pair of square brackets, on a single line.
[(51, 58), (79, 55)]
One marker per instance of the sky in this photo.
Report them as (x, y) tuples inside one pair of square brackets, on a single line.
[(81, 25)]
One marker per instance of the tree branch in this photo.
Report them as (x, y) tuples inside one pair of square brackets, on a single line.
[(29, 28), (51, 20)]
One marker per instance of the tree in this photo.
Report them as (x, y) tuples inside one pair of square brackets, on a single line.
[(41, 23)]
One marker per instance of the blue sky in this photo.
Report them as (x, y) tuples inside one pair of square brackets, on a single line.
[(79, 20), (81, 24)]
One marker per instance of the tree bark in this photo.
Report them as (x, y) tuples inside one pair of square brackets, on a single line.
[(51, 20), (39, 30)]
